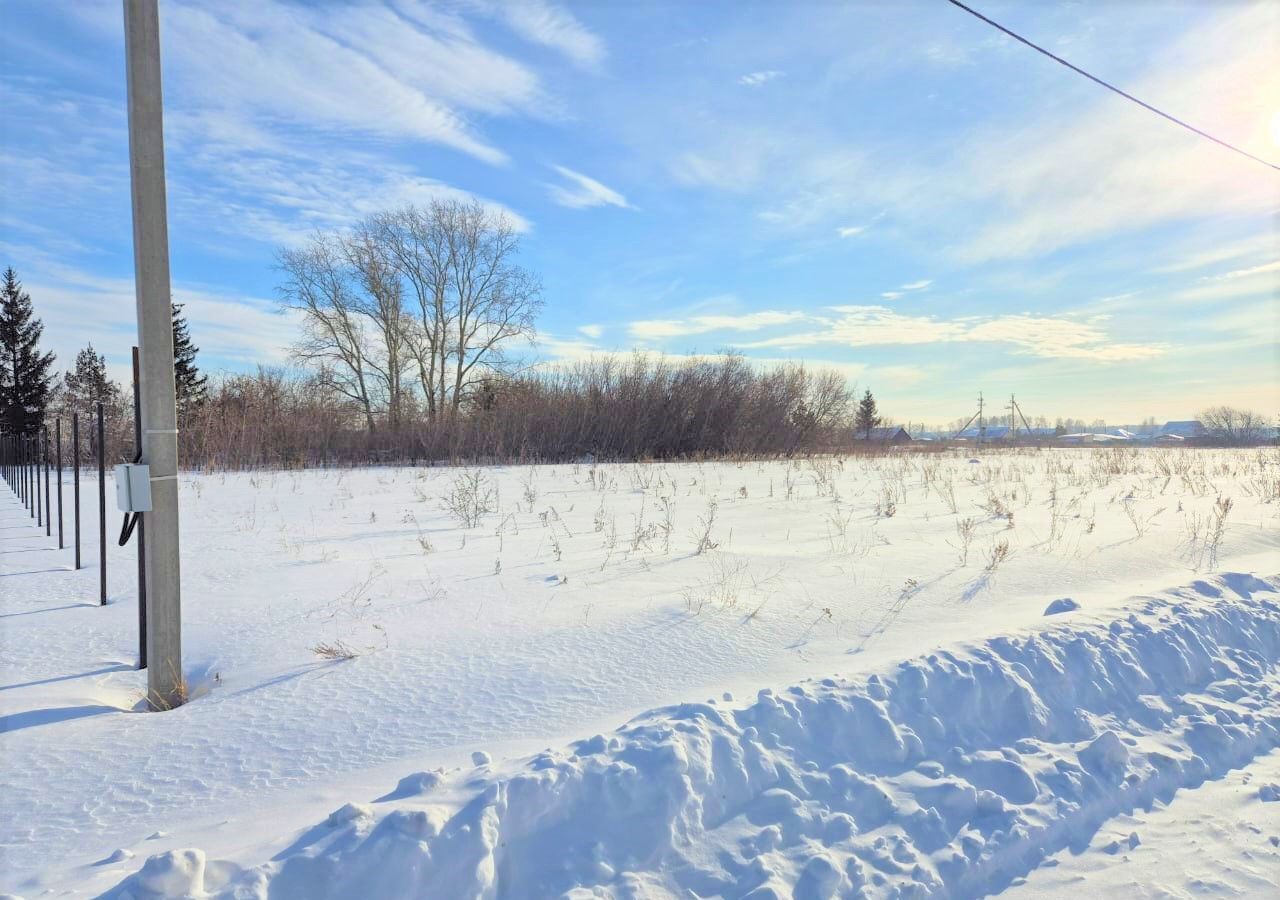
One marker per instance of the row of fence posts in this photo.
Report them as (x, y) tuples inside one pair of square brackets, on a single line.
[(30, 459), (27, 459)]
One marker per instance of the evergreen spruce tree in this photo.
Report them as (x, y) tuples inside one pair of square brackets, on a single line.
[(189, 384), (88, 384), (25, 380), (867, 417)]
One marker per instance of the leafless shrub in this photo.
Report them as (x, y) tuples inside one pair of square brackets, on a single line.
[(1217, 529), (998, 553), (706, 523), (529, 490), (947, 491), (994, 506), (666, 525), (470, 498), (965, 531), (1265, 485)]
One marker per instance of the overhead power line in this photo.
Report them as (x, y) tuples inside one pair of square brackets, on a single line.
[(1112, 87)]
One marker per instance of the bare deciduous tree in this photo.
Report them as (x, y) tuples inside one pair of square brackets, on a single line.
[(413, 239), (318, 285), (491, 299), (1235, 426), (434, 289), (379, 299)]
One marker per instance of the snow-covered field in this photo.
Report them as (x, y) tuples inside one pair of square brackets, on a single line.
[(837, 676)]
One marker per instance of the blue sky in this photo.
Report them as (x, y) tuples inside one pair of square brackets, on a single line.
[(892, 189)]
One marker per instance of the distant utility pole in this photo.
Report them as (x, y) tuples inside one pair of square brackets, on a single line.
[(165, 683), (1016, 410), (982, 427)]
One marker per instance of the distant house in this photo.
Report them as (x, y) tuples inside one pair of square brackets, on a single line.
[(987, 433), (1093, 437), (888, 434), (1187, 428)]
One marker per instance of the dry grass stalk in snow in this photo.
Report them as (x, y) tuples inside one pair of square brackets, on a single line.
[(335, 649)]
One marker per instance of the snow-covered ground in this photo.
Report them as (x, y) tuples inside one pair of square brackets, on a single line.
[(1221, 839), (926, 728)]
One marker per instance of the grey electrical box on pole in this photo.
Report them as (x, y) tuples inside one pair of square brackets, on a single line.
[(133, 487), (166, 686)]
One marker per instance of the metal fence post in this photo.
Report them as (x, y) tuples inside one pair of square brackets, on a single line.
[(35, 470), (57, 439), (75, 480), (102, 510), (48, 510)]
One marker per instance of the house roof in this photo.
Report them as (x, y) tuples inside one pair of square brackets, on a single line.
[(989, 432), (883, 432), (1094, 437), (1184, 427)]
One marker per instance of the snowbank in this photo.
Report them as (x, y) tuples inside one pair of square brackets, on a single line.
[(1218, 840), (952, 775)]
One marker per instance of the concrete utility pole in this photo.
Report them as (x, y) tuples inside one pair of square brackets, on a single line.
[(165, 683)]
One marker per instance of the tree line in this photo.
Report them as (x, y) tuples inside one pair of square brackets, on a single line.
[(605, 408)]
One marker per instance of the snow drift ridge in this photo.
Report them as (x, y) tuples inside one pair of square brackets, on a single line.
[(949, 777)]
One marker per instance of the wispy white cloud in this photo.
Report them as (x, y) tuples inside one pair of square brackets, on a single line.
[(361, 70), (1252, 271), (870, 326), (592, 331), (347, 84), (756, 79), (1186, 259), (281, 196), (1225, 290), (669, 328), (917, 285), (898, 376), (848, 231), (554, 27), (584, 192), (735, 169)]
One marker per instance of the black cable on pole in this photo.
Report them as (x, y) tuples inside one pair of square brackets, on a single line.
[(1111, 87)]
